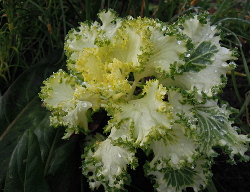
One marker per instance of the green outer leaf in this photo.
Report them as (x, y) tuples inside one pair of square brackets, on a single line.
[(20, 107), (47, 137), (63, 167), (26, 87), (31, 117), (25, 173), (61, 157), (211, 186)]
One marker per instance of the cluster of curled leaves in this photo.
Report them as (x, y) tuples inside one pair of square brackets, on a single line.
[(158, 83)]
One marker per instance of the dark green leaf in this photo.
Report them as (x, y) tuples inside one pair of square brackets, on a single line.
[(20, 107), (25, 172), (61, 157), (63, 171), (30, 118), (211, 187)]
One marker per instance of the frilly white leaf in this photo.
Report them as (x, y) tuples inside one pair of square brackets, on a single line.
[(163, 56), (106, 164), (178, 149), (198, 31), (89, 35), (148, 117), (58, 90), (206, 62), (69, 102)]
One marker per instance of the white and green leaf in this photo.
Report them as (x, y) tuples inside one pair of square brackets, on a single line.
[(106, 164), (215, 129), (148, 117), (175, 180)]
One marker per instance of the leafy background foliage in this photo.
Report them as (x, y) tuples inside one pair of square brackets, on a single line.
[(33, 157)]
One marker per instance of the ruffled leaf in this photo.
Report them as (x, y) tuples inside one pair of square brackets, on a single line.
[(199, 31), (206, 61), (148, 117), (215, 129), (59, 88), (176, 180), (178, 149), (106, 164), (89, 36), (69, 102), (164, 57)]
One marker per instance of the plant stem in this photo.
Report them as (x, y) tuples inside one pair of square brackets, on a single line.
[(220, 10), (63, 18), (87, 9), (134, 85), (160, 7), (243, 107), (236, 90)]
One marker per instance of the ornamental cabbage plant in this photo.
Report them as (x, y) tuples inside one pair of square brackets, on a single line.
[(159, 86)]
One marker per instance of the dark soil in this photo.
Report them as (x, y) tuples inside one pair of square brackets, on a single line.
[(231, 178)]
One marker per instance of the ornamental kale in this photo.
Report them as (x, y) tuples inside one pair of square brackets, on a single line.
[(159, 85)]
